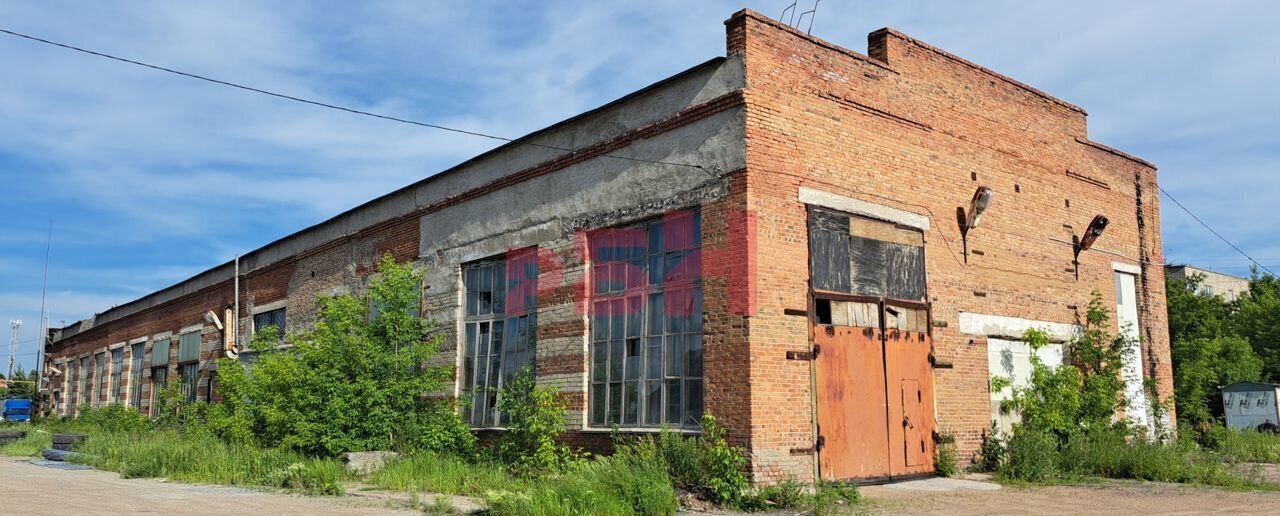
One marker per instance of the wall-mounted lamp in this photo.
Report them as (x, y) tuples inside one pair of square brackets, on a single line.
[(212, 318), (1091, 234), (969, 220)]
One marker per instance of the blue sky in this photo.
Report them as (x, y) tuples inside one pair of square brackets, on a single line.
[(150, 178)]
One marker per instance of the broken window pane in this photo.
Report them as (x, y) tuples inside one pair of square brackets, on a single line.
[(646, 327)]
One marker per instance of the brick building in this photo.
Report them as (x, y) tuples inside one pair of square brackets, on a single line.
[(768, 237)]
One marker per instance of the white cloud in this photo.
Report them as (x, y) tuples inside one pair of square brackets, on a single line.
[(145, 171)]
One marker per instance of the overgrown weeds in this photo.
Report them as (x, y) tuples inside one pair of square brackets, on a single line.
[(1246, 446), (439, 473), (1069, 428), (705, 464), (198, 457), (620, 485), (29, 446)]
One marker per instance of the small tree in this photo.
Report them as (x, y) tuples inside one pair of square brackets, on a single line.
[(536, 419), (1086, 391), (355, 381)]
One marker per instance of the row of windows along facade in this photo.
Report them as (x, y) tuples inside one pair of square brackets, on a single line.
[(644, 348)]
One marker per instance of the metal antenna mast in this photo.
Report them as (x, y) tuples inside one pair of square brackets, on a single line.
[(813, 13)]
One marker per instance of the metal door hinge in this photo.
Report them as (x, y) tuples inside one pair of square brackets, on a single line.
[(803, 355), (820, 444)]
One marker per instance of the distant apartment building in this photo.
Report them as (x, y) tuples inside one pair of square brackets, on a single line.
[(1212, 283), (770, 237)]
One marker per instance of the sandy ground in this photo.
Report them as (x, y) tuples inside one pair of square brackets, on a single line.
[(1105, 498), (31, 489)]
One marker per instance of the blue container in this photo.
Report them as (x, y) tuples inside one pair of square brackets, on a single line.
[(17, 410)]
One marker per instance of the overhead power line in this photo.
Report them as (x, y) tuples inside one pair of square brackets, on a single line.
[(335, 106), (1215, 233), (477, 133)]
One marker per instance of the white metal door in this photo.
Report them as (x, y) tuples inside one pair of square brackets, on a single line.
[(1139, 409)]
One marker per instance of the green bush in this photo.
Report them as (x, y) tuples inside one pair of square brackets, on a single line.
[(707, 464), (114, 418), (1031, 457), (944, 460), (992, 452), (536, 419), (353, 382)]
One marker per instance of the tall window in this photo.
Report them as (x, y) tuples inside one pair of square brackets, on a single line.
[(117, 368), (159, 370), (135, 374), (189, 364), (82, 393), (99, 368), (499, 328), (646, 324)]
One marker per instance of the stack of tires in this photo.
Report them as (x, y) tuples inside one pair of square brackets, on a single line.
[(9, 436), (64, 446)]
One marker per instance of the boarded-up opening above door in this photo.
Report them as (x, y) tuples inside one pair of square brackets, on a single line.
[(866, 257)]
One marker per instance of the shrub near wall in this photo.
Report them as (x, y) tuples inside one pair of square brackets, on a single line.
[(1069, 427), (354, 382)]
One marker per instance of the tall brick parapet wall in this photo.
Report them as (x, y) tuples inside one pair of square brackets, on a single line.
[(912, 127)]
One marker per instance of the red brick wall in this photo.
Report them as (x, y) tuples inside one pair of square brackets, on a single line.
[(913, 128), (336, 266)]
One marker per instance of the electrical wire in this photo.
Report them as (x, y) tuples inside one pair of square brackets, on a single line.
[(337, 107), (1215, 233)]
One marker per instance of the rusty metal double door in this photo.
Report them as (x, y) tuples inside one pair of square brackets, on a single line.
[(874, 389)]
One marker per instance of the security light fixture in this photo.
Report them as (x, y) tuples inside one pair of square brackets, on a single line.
[(212, 318), (969, 220), (1091, 234)]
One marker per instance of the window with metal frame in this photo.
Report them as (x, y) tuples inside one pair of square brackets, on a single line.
[(271, 318), (117, 368), (135, 374), (499, 329), (159, 379), (82, 392), (99, 370), (189, 364), (646, 324)]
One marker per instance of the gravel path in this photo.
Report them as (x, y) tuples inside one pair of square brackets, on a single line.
[(33, 489), (1105, 498)]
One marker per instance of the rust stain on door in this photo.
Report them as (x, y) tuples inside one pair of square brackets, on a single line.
[(852, 417)]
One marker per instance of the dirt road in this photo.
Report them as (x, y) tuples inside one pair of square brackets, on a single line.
[(1124, 498), (32, 489)]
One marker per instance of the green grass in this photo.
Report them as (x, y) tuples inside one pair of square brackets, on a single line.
[(29, 446), (432, 473), (1036, 457), (1248, 446), (607, 486), (198, 458)]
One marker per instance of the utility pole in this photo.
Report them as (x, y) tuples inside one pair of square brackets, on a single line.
[(44, 318), (13, 349)]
